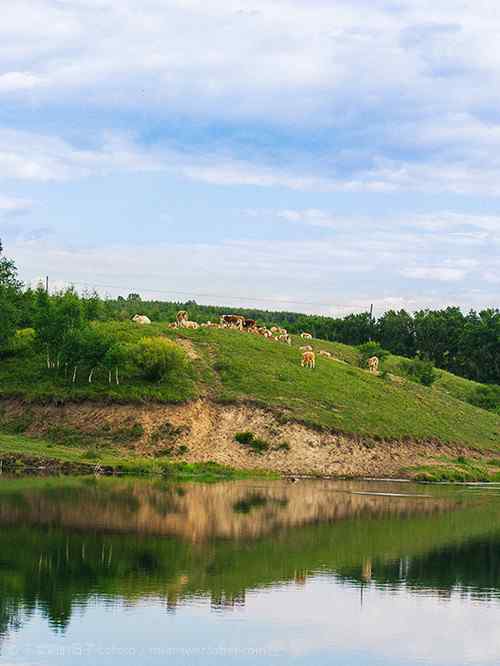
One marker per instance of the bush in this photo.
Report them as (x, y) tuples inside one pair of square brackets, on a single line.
[(486, 397), (369, 349), (420, 371), (20, 344), (156, 358), (248, 439)]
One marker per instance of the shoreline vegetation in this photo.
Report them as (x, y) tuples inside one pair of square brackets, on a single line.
[(29, 456), (21, 456)]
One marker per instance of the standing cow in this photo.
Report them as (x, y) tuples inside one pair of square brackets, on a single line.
[(232, 321), (181, 317), (308, 360)]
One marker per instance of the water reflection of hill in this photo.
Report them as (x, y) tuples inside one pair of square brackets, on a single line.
[(64, 543), (197, 512)]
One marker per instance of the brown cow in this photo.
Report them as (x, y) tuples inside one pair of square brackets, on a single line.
[(326, 354), (306, 348), (306, 336), (284, 337), (308, 360), (232, 321), (373, 364), (249, 324)]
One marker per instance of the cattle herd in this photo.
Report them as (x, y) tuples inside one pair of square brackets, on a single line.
[(243, 324)]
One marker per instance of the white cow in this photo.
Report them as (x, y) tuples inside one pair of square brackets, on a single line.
[(141, 319)]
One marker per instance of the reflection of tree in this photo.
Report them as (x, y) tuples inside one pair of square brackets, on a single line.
[(469, 568), (131, 540)]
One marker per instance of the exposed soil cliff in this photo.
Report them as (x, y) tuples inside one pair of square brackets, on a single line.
[(203, 431)]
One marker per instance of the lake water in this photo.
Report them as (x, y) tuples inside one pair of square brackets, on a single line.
[(108, 572)]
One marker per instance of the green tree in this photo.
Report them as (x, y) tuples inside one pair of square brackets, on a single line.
[(396, 332), (57, 317), (117, 357), (480, 346), (10, 293)]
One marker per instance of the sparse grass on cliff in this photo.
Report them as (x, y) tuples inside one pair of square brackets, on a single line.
[(19, 453)]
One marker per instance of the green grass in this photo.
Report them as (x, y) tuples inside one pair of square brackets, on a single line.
[(28, 451), (232, 367), (459, 469), (339, 395)]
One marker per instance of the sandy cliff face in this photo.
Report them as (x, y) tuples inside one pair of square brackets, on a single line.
[(203, 431)]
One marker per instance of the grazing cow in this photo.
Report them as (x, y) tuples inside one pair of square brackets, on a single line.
[(308, 360), (181, 317), (232, 321), (284, 337), (306, 336), (249, 324), (326, 354), (373, 364), (262, 330), (305, 348), (141, 319)]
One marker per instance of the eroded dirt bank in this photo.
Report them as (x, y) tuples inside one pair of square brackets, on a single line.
[(204, 431)]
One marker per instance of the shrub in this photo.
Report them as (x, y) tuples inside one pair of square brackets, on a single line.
[(486, 397), (244, 437), (420, 371), (256, 444), (156, 358), (22, 342)]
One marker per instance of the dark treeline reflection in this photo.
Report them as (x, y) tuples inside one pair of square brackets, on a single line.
[(65, 543), (467, 568)]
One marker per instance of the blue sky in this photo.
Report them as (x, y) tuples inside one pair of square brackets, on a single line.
[(302, 154)]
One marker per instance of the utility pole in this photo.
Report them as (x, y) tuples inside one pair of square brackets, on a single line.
[(47, 284)]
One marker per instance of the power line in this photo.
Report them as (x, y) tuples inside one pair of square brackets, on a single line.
[(193, 295)]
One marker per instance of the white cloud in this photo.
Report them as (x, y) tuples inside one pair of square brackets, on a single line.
[(440, 273), (37, 157), (40, 157), (18, 81), (10, 206)]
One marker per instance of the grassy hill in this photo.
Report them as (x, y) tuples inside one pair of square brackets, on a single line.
[(229, 366)]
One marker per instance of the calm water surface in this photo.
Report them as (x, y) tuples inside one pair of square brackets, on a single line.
[(143, 572)]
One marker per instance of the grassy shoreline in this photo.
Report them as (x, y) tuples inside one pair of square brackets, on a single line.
[(20, 454)]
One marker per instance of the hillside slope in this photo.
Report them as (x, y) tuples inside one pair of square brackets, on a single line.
[(228, 366)]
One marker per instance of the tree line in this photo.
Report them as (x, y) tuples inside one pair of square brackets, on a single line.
[(467, 344)]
